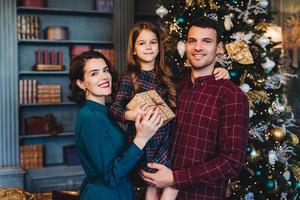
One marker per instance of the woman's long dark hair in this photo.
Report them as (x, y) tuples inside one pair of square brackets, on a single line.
[(77, 72)]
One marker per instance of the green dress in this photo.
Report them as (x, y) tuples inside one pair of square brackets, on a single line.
[(104, 155)]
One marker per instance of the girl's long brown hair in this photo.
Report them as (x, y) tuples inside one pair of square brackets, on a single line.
[(163, 72)]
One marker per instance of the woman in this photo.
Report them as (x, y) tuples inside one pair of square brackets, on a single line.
[(104, 155)]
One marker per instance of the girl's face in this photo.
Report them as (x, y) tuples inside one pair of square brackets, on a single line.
[(146, 49), (97, 80)]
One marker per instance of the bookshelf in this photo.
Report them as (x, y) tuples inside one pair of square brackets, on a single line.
[(108, 30), (86, 26)]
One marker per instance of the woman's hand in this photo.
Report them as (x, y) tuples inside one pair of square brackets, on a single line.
[(221, 73), (130, 115), (146, 126)]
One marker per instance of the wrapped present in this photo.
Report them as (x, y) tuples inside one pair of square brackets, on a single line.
[(152, 99), (240, 52), (71, 155)]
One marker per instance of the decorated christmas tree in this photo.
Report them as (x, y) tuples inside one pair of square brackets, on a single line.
[(256, 64)]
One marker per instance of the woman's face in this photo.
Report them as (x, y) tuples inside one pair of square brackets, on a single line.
[(146, 49), (97, 80)]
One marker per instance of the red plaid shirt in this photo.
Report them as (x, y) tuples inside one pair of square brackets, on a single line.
[(209, 138)]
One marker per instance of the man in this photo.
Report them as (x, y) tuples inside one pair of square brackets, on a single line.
[(211, 126)]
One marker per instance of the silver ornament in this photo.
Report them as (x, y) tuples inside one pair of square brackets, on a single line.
[(272, 157), (161, 11), (278, 107), (287, 175), (250, 21), (263, 41), (227, 22), (283, 196), (251, 113), (181, 48), (245, 88), (268, 65), (263, 3), (270, 111)]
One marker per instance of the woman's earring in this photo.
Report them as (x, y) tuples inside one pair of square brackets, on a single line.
[(84, 89), (134, 53)]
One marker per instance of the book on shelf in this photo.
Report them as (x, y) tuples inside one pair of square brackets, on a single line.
[(37, 125), (28, 27), (34, 91), (109, 54), (27, 91), (21, 97), (30, 92), (49, 93), (31, 156), (19, 27), (104, 5)]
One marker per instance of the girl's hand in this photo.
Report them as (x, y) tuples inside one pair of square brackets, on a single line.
[(130, 115), (221, 73), (146, 126)]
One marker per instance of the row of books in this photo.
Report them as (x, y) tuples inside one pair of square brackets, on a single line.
[(28, 27), (104, 5), (49, 93), (109, 54), (30, 92), (31, 156)]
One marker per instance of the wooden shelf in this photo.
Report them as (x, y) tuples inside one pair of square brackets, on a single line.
[(46, 135), (47, 104), (62, 166), (59, 11), (43, 41), (54, 177), (64, 72)]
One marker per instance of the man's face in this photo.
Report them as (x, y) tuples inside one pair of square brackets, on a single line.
[(201, 48)]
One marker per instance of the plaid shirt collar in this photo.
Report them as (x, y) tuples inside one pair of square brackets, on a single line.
[(202, 80)]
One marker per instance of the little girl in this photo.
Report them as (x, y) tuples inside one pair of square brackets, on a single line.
[(147, 71)]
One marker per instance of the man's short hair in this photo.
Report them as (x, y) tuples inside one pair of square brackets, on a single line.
[(206, 22)]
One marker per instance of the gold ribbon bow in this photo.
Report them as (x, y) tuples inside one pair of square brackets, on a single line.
[(156, 103)]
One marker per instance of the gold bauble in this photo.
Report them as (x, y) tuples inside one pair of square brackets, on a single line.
[(262, 26), (234, 186), (294, 139), (277, 133), (189, 2), (254, 156), (201, 3)]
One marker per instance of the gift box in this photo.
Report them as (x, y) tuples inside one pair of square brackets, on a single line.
[(152, 99), (71, 155), (240, 52), (57, 33)]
